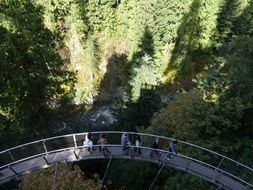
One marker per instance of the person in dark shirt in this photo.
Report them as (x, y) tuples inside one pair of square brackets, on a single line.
[(155, 145), (171, 150), (138, 143), (125, 144)]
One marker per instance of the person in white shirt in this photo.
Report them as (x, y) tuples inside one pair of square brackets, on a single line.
[(88, 143)]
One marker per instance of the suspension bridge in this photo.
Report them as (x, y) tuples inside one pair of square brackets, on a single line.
[(216, 168)]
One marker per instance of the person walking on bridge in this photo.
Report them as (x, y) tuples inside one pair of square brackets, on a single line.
[(125, 144), (155, 145), (87, 143), (102, 141), (171, 150), (138, 143)]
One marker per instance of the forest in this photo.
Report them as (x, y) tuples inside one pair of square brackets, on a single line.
[(177, 68)]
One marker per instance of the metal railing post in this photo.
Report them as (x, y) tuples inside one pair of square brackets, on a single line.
[(12, 157), (74, 138), (221, 161), (44, 146), (75, 143)]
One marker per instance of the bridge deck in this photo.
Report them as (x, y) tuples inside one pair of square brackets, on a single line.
[(218, 169), (73, 155)]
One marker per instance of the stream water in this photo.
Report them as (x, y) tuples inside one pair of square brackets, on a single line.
[(99, 116)]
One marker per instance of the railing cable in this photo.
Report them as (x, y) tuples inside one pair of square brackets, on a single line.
[(55, 175), (156, 177), (102, 182)]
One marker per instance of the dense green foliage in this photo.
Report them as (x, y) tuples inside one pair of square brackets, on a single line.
[(144, 74), (60, 55), (32, 73), (59, 177), (217, 113)]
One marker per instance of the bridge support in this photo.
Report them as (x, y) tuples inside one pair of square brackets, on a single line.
[(102, 182), (16, 173), (188, 163), (55, 174), (46, 160), (219, 187), (215, 178), (156, 176), (75, 154)]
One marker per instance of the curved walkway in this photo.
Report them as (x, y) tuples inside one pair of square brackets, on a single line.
[(211, 166)]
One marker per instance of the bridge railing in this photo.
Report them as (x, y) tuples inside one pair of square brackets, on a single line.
[(190, 151)]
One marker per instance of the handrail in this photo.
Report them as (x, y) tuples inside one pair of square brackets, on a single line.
[(113, 145), (193, 145), (131, 133), (167, 138)]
